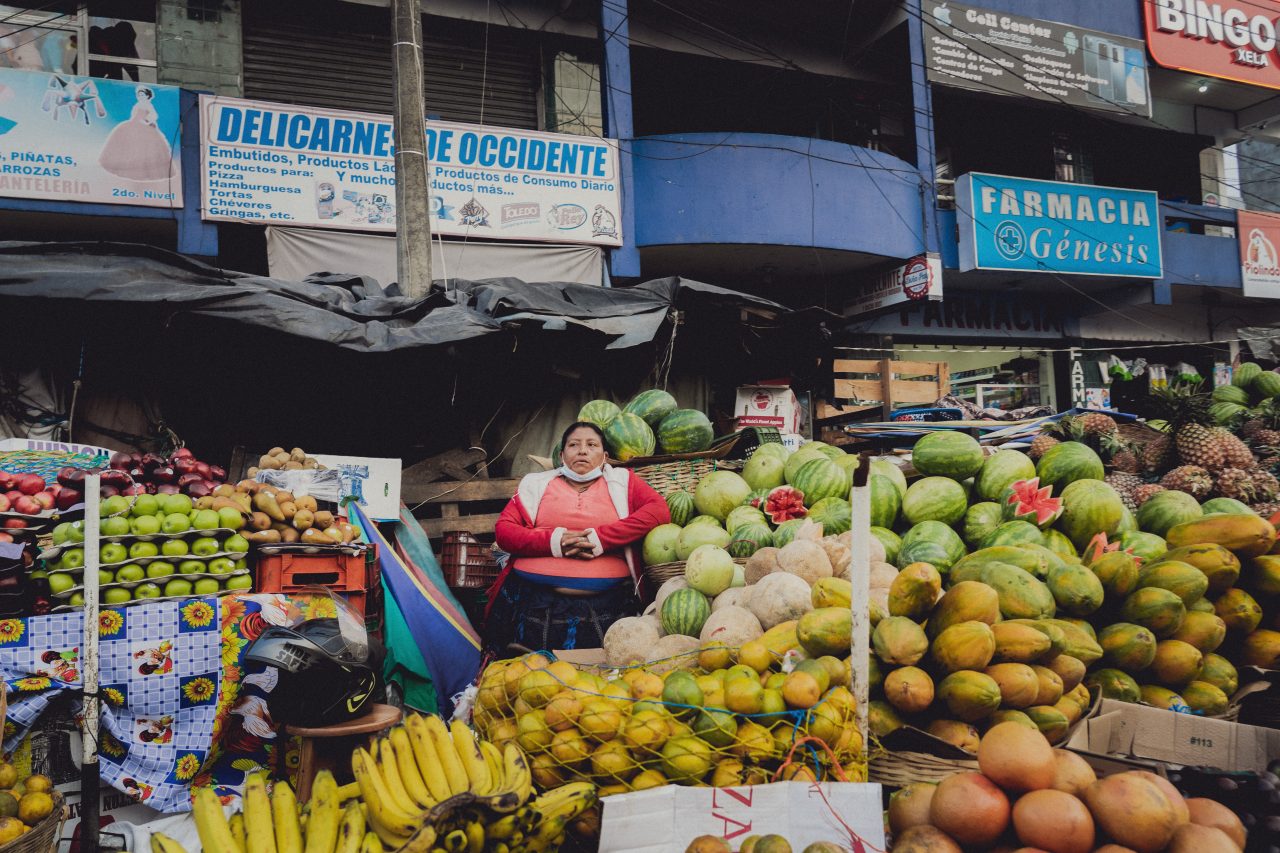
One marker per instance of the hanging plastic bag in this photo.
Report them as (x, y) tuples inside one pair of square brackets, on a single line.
[(1118, 369), (1187, 373)]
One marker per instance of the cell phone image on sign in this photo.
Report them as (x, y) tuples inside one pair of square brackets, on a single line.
[(1115, 75)]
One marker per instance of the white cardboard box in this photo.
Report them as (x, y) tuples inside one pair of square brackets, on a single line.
[(666, 819), (768, 406), (1144, 732), (374, 481)]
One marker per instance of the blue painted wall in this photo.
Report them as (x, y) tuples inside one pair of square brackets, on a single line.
[(1121, 17), (778, 190)]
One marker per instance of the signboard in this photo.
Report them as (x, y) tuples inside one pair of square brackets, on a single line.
[(1233, 40), (1259, 258), (276, 163), (373, 483), (65, 138), (917, 280), (973, 48), (1049, 226), (974, 314)]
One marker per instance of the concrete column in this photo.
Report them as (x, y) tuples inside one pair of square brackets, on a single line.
[(922, 106), (615, 35), (195, 236)]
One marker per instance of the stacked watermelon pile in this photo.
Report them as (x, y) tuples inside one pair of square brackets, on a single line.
[(651, 423), (1013, 588)]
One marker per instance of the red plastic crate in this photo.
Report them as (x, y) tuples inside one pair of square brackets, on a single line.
[(354, 576)]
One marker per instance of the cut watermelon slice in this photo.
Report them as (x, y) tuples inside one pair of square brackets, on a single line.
[(784, 503), (1025, 500)]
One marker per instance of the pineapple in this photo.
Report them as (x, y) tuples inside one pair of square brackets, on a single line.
[(1125, 486), (1143, 493), (1265, 486), (1186, 408), (1120, 454), (1040, 445), (1199, 446), (1234, 483), (1267, 438), (1192, 479), (1097, 425), (1157, 454), (1250, 428), (1266, 510), (1235, 453)]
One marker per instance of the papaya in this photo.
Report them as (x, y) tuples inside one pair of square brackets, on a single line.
[(1203, 605), (1117, 571), (1161, 697), (1050, 685), (969, 695), (966, 601), (1051, 558), (968, 568), (1083, 624), (1203, 697), (1114, 684), (875, 676), (1265, 574), (1068, 707), (1219, 565), (1154, 608), (831, 592), (1221, 673), (1076, 641), (1070, 670), (1244, 535), (1008, 715), (826, 631), (882, 718), (1021, 596), (1019, 685), (909, 689), (1016, 643), (1205, 631), (876, 612), (1053, 724), (1176, 663), (1182, 579), (781, 638), (966, 645), (1077, 591), (1239, 610), (956, 733), (1261, 648), (898, 640), (914, 591), (1128, 647)]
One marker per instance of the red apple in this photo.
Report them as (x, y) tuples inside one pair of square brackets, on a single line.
[(186, 480), (115, 477), (151, 488), (120, 461), (217, 472), (184, 464), (73, 477), (137, 475), (44, 499), (183, 453), (108, 491), (167, 489), (5, 503), (13, 495), (67, 498), (6, 537), (202, 468), (27, 505), (133, 489), (6, 481), (163, 474), (13, 523), (29, 484), (200, 489)]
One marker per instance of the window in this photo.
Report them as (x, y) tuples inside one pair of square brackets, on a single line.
[(115, 39), (48, 40), (574, 104), (205, 11), (1072, 163)]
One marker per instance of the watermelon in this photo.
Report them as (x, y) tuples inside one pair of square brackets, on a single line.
[(599, 412), (1227, 413), (680, 505), (684, 612), (947, 454), (1266, 384), (704, 519), (1089, 507), (765, 470), (891, 541), (784, 504), (834, 514), (1128, 524), (1063, 464), (1001, 471), (741, 515), (1230, 506), (1027, 500), (885, 468), (685, 431), (786, 531), (821, 478), (1231, 394), (1165, 510), (1148, 546), (936, 531), (886, 501), (1243, 376), (934, 499), (979, 521), (925, 551), (701, 534), (627, 436), (750, 538), (807, 453), (651, 406), (1013, 533), (719, 492)]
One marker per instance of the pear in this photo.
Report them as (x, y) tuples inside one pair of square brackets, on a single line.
[(315, 537), (289, 509), (270, 462), (334, 533), (263, 537), (323, 519), (224, 490), (289, 535), (303, 519), (265, 502), (243, 501), (292, 466), (282, 458), (253, 471), (298, 455), (306, 502), (260, 521)]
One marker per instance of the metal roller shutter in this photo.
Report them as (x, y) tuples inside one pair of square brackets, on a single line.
[(339, 56)]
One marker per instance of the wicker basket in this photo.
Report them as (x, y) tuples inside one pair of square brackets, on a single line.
[(44, 836), (659, 573), (897, 769), (682, 474)]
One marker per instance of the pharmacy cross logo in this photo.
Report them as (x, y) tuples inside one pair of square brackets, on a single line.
[(1011, 240)]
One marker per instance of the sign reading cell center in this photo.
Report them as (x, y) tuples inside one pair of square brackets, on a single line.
[(1048, 226), (1234, 40), (278, 163)]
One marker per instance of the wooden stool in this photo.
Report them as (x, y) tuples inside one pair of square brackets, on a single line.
[(337, 752)]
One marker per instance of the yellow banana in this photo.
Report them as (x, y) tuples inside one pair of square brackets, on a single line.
[(322, 826), (471, 757), (424, 752), (284, 813), (503, 828), (349, 791), (493, 758), (456, 841), (547, 834), (351, 834), (448, 756), (391, 779), (161, 843), (386, 818), (371, 844), (211, 823), (568, 801), (516, 773), (236, 824), (475, 836), (423, 841), (258, 830), (414, 784)]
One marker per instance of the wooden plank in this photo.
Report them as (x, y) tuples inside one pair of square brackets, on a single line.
[(919, 368), (827, 410), (886, 390), (906, 391), (858, 389), (855, 365), (480, 525), (450, 492), (436, 467)]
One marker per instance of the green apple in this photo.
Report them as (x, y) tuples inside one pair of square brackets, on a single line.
[(145, 525), (206, 519), (138, 550), (36, 574), (114, 505), (60, 532), (113, 552), (221, 566), (242, 563), (146, 590), (176, 522), (104, 577), (76, 599), (177, 503), (177, 587), (175, 547), (192, 567), (130, 573), (206, 586), (60, 582), (116, 595), (116, 525), (204, 546), (144, 505), (160, 569), (76, 533), (236, 544), (238, 582), (230, 518), (73, 558)]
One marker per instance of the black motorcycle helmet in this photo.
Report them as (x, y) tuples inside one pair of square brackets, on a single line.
[(330, 671)]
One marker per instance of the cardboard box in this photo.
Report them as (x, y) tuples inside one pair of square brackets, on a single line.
[(768, 406), (581, 657), (374, 482), (1154, 734), (666, 819)]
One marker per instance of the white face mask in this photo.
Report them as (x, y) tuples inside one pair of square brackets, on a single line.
[(574, 477)]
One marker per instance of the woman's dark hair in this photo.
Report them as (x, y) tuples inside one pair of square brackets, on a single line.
[(564, 437)]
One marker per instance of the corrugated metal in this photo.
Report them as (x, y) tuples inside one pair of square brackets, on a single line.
[(346, 64)]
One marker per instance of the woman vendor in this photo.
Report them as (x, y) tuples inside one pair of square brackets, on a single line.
[(572, 534)]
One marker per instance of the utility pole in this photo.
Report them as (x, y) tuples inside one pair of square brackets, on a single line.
[(413, 220)]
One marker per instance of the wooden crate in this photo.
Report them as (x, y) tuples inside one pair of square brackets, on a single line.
[(471, 505), (864, 385)]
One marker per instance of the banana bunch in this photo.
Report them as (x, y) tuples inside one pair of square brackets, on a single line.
[(464, 825)]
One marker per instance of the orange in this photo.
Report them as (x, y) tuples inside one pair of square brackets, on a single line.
[(600, 719), (801, 690), (33, 808), (728, 773), (756, 655), (744, 696), (534, 735), (546, 771), (646, 731), (712, 689), (715, 655), (646, 779), (569, 748), (754, 743), (563, 672), (837, 670), (818, 671), (645, 685), (611, 762), (538, 687), (562, 711)]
